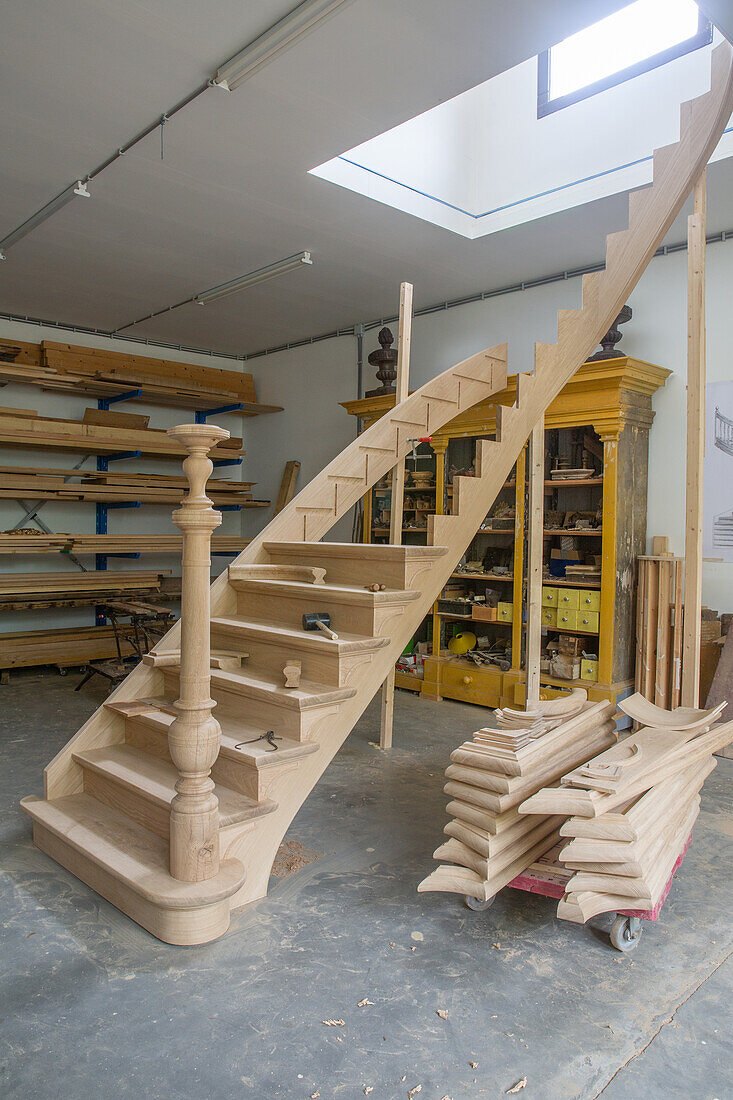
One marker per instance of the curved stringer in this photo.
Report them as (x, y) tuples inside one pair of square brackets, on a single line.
[(105, 809)]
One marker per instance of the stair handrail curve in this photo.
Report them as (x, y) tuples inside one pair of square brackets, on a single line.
[(652, 210)]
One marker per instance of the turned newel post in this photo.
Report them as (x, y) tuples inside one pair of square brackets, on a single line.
[(194, 736)]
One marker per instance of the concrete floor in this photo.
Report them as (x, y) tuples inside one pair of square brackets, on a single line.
[(94, 1006)]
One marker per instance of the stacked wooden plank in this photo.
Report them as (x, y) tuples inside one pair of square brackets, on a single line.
[(24, 428), (631, 813), (40, 543), (25, 591), (40, 483), (98, 372), (72, 646), (490, 842)]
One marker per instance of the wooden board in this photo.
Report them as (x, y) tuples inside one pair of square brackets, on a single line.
[(287, 485)]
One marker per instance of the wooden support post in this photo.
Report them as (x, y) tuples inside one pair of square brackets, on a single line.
[(518, 560), (696, 227), (535, 541), (398, 489), (194, 736)]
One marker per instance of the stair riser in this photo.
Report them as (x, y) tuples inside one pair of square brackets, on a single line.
[(289, 610), (131, 803), (240, 775), (258, 712), (175, 926), (354, 570), (271, 657)]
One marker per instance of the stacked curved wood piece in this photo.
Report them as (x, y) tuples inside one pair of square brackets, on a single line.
[(490, 841), (631, 810)]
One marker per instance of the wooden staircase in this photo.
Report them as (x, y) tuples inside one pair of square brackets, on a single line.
[(106, 810)]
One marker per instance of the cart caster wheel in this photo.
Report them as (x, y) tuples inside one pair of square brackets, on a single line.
[(477, 904), (63, 672), (625, 933)]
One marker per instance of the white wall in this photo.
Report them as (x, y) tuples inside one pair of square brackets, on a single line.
[(80, 518), (311, 381)]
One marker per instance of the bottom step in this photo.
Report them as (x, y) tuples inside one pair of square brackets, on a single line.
[(128, 866)]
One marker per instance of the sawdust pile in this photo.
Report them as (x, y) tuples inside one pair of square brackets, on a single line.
[(292, 856)]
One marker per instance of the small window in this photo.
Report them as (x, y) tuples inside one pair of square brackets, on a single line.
[(640, 37)]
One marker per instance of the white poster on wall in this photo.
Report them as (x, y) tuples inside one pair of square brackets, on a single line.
[(717, 536)]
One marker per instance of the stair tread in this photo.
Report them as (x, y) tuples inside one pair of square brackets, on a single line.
[(309, 694), (296, 635), (360, 549), (129, 852), (349, 593), (233, 732), (156, 779)]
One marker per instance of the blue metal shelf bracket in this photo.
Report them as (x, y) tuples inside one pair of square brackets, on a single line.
[(228, 462), (202, 414)]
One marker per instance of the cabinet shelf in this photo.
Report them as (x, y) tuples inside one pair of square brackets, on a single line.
[(550, 531), (484, 576)]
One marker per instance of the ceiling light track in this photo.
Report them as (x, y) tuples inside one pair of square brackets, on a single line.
[(277, 38), (242, 282)]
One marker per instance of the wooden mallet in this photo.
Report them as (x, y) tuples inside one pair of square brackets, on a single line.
[(319, 620)]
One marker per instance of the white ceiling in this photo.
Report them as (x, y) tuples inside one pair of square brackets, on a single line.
[(233, 193)]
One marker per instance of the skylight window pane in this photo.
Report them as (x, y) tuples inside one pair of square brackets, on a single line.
[(637, 32)]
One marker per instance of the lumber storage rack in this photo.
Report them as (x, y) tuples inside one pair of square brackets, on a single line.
[(548, 877), (103, 462)]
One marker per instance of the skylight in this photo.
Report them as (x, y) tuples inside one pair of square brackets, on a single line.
[(487, 160), (641, 36)]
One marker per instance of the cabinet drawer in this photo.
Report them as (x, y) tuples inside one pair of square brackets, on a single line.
[(587, 620), (549, 597), (589, 670), (549, 616), (567, 619), (588, 600), (470, 684), (568, 597), (504, 612)]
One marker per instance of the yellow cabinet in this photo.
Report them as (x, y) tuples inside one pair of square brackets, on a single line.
[(549, 597), (504, 612), (567, 620), (549, 616), (588, 600), (587, 620), (589, 670), (568, 598)]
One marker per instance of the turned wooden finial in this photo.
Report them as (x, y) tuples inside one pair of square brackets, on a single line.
[(195, 735)]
